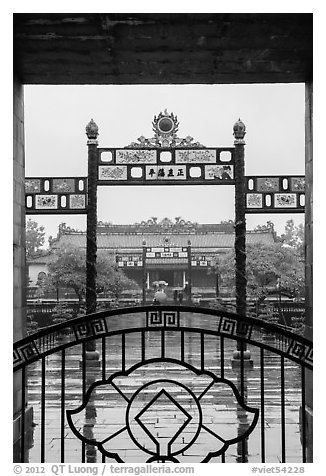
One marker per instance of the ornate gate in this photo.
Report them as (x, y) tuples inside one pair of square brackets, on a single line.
[(190, 403), (165, 159), (165, 388)]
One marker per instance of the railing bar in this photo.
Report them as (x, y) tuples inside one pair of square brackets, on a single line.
[(103, 357), (162, 343), (283, 409), (84, 367), (22, 434), (83, 447), (43, 412), (222, 359), (123, 351), (303, 415), (182, 346), (143, 356), (262, 404), (202, 351), (242, 370), (242, 390), (83, 452), (63, 370), (244, 450)]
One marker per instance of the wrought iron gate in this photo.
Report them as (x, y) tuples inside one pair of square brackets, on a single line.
[(164, 384)]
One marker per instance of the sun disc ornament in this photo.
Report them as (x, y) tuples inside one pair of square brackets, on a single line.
[(165, 123), (165, 127)]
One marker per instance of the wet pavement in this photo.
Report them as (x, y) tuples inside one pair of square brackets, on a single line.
[(104, 417)]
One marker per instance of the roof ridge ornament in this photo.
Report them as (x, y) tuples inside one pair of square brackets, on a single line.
[(165, 127), (167, 225)]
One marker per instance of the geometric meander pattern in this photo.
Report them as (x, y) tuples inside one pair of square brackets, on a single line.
[(293, 347), (25, 353), (162, 318), (234, 327), (300, 351), (35, 348), (96, 327), (290, 347)]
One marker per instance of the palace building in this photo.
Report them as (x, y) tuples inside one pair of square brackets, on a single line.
[(171, 250)]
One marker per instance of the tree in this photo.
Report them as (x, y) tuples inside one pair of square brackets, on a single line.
[(268, 266), (34, 238), (67, 269), (293, 236), (119, 283)]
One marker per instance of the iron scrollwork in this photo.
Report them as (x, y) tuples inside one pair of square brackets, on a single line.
[(163, 420)]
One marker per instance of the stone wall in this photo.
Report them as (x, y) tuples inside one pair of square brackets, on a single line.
[(309, 209), (19, 310), (309, 264)]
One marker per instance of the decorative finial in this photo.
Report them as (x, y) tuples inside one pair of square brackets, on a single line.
[(165, 127), (92, 130), (239, 131)]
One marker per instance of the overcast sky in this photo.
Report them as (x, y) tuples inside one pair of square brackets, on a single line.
[(56, 116)]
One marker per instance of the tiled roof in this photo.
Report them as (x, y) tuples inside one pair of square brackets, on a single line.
[(123, 241), (42, 259)]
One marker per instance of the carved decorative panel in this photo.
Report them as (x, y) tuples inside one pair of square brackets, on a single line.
[(56, 195), (275, 194), (154, 166)]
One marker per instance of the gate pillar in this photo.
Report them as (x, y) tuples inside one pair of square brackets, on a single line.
[(240, 219), (91, 239), (239, 131)]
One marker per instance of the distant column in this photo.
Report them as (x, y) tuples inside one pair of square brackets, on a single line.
[(144, 280), (217, 284), (189, 287)]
